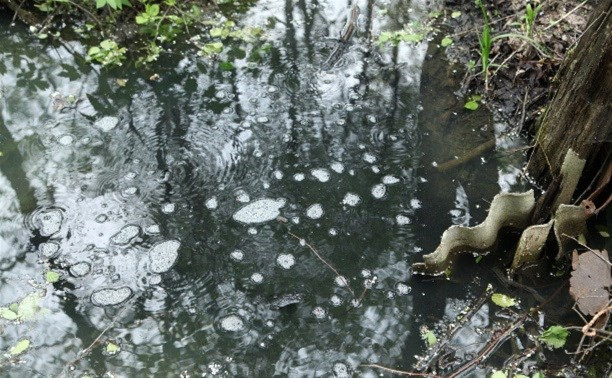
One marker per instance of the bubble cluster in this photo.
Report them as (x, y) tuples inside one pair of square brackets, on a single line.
[(314, 211), (49, 249), (49, 222), (351, 199), (106, 124), (237, 255), (390, 180), (320, 174), (111, 296), (163, 256), (125, 235), (232, 323), (211, 203), (285, 260), (379, 191), (259, 211)]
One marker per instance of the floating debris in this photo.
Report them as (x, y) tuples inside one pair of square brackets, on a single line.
[(285, 260), (259, 211), (351, 199), (106, 124), (320, 174), (111, 296), (163, 255), (232, 323), (315, 211), (287, 300), (379, 191), (125, 235)]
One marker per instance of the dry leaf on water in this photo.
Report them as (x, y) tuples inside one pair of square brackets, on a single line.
[(591, 280)]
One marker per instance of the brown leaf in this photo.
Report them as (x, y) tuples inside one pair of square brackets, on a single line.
[(590, 280)]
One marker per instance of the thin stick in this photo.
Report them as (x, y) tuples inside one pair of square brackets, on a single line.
[(323, 260), (565, 15), (400, 372), (471, 154)]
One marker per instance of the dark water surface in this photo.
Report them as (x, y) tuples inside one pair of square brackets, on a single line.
[(107, 206)]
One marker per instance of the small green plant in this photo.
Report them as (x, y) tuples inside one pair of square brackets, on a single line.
[(484, 40), (554, 336), (415, 32), (114, 4), (530, 15), (472, 104), (107, 53)]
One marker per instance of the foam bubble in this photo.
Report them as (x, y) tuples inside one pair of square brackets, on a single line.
[(369, 158), (333, 232), (335, 300), (237, 255), (49, 249), (168, 208), (315, 211), (340, 281), (319, 312), (232, 323), (320, 174), (402, 220), (415, 203), (278, 174), (106, 124), (125, 235), (341, 370), (152, 229), (80, 269), (66, 140), (379, 191), (390, 180), (163, 255), (351, 199), (211, 203), (285, 260), (259, 211), (257, 278), (242, 196), (337, 167), (402, 289), (111, 296), (298, 177), (49, 222)]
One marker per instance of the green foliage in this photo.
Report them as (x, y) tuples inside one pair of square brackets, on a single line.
[(19, 348), (554, 336), (430, 338), (52, 277), (503, 300), (112, 348), (114, 4), (498, 374), (446, 41), (530, 15), (472, 104), (456, 14), (415, 32), (107, 53)]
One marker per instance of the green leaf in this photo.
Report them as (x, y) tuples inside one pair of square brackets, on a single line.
[(538, 374), (476, 97), (456, 14), (112, 348), (478, 259), (52, 277), (498, 374), (411, 37), (20, 347), (226, 66), (100, 3), (29, 307), (142, 19), (216, 32), (152, 10), (430, 338), (582, 239), (471, 105), (503, 300), (555, 336), (7, 313), (446, 41)]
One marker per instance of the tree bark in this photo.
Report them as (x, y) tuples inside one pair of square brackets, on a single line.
[(579, 115)]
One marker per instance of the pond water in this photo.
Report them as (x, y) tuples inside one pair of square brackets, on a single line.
[(228, 221)]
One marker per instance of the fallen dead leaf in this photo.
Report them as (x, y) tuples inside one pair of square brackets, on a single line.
[(591, 280)]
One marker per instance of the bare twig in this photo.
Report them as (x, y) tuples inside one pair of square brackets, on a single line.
[(566, 15), (301, 240), (471, 154), (400, 372)]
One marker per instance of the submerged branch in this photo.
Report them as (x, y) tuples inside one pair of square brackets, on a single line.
[(471, 154)]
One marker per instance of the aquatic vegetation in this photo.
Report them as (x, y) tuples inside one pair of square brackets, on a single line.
[(554, 336), (107, 53), (502, 300)]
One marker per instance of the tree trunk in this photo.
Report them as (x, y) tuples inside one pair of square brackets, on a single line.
[(579, 115)]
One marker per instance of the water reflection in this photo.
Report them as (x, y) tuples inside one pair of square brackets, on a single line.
[(94, 188)]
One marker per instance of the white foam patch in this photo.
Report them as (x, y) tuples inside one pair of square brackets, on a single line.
[(335, 300), (106, 124), (211, 203), (152, 229), (341, 370), (257, 278), (232, 323), (168, 208), (125, 235), (340, 281), (49, 222), (415, 203), (369, 158), (49, 249), (402, 289), (80, 269), (242, 196), (402, 220), (298, 177), (66, 140), (259, 211), (315, 211), (320, 174), (351, 199), (379, 191), (390, 180), (111, 296), (163, 255), (285, 260), (278, 174), (337, 167), (237, 255), (319, 312)]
